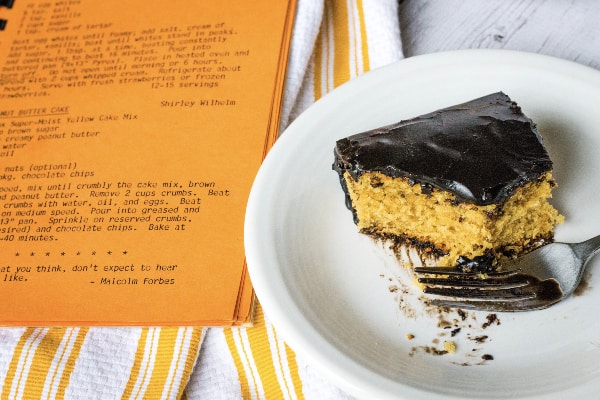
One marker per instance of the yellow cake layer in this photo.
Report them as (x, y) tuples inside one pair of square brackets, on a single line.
[(388, 206)]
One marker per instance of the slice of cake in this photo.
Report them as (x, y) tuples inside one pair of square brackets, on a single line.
[(467, 182)]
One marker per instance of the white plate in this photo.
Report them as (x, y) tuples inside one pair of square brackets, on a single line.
[(327, 289)]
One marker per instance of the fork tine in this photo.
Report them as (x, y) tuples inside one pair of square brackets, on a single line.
[(451, 272), (521, 292), (464, 280), (493, 305)]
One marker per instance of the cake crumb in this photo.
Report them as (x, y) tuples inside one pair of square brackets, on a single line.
[(480, 339), (450, 347), (490, 320)]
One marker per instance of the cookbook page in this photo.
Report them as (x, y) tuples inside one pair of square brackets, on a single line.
[(130, 134)]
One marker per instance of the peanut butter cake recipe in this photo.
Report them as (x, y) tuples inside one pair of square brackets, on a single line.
[(467, 183)]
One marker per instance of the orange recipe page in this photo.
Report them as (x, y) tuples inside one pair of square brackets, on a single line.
[(130, 134)]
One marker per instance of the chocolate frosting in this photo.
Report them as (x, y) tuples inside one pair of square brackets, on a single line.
[(481, 150)]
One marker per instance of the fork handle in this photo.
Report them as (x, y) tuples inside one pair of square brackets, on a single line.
[(585, 250)]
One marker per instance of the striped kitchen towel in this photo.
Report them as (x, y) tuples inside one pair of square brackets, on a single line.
[(96, 363), (333, 42), (352, 37)]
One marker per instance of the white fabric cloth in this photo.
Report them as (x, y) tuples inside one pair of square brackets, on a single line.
[(215, 376)]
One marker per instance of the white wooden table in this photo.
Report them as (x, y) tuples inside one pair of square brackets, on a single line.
[(561, 28)]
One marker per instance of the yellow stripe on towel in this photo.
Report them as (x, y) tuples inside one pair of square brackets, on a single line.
[(42, 363), (341, 51), (64, 363), (266, 366), (163, 363)]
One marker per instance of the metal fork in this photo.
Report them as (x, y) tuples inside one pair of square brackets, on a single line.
[(534, 281)]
